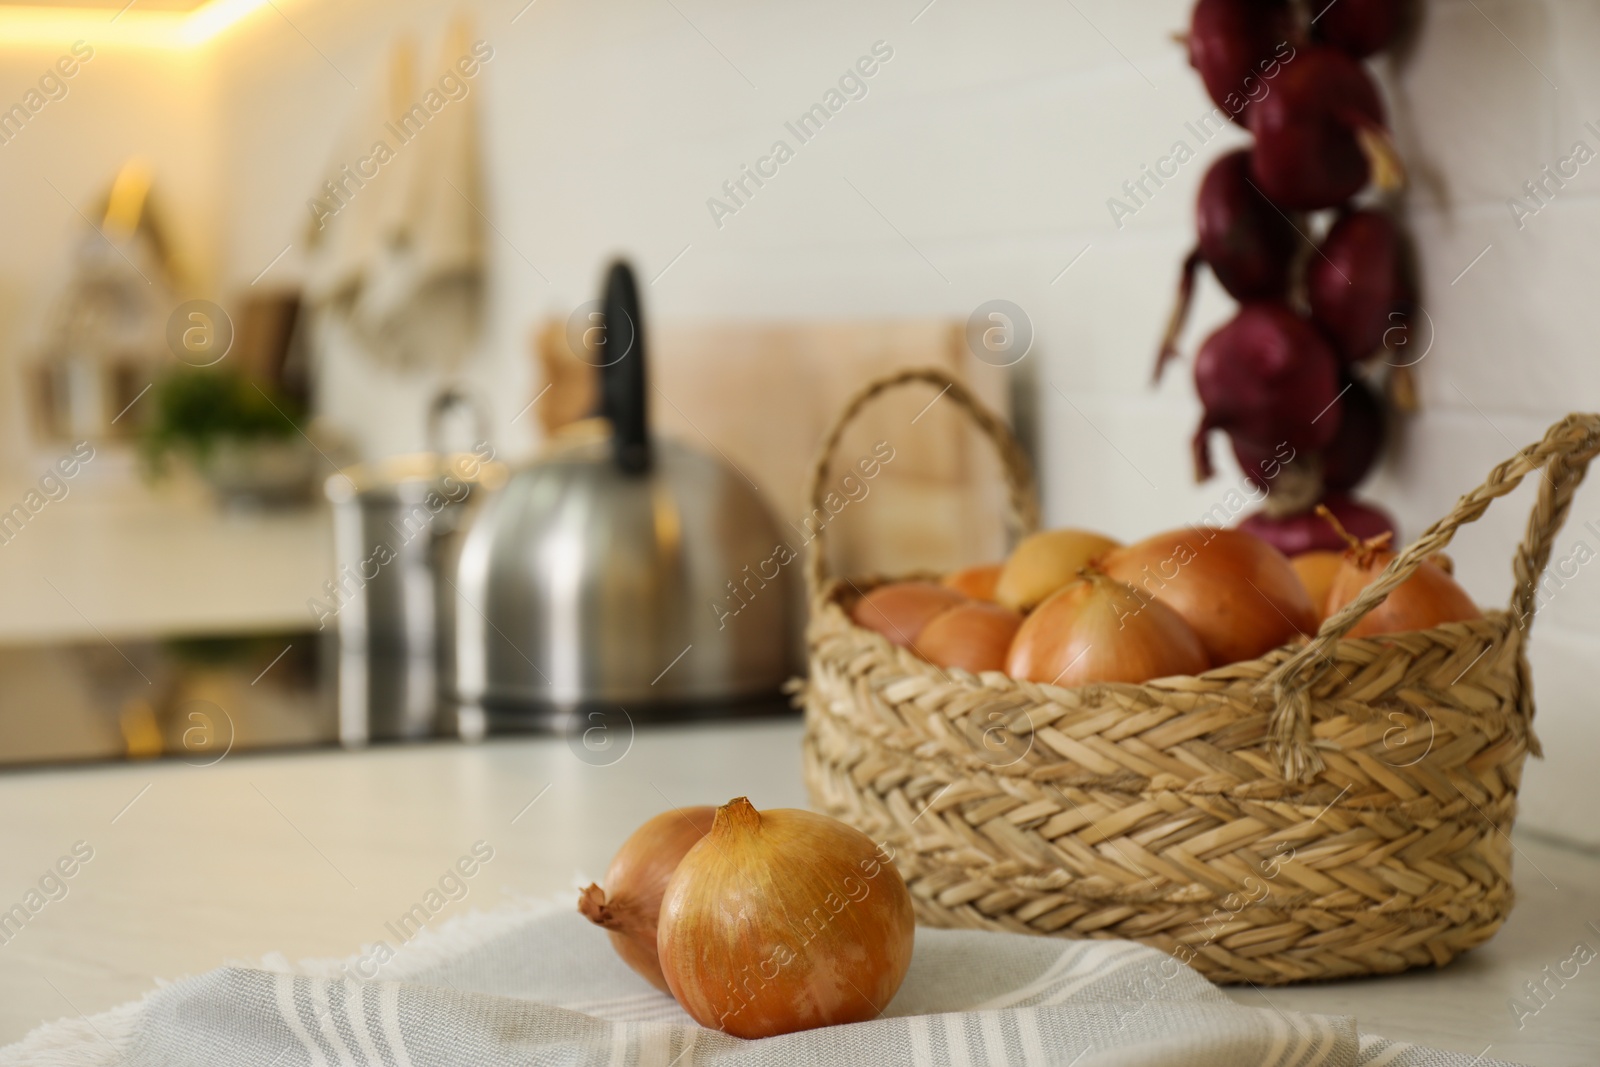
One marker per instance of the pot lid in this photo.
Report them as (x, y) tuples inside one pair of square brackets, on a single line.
[(410, 477)]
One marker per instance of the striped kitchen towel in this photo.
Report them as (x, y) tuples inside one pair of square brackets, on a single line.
[(532, 985)]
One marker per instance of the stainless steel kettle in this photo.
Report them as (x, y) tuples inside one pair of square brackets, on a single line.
[(623, 575)]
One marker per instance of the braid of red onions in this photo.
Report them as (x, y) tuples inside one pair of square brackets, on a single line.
[(1293, 379)]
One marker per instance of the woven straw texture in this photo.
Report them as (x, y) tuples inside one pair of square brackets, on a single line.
[(1333, 809)]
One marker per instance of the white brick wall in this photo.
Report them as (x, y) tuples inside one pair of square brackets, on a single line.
[(991, 142), (1514, 348)]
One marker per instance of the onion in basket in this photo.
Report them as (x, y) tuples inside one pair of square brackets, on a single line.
[(1101, 630), (1044, 562), (1429, 598), (1317, 571), (977, 582), (974, 637), (1238, 592), (900, 610)]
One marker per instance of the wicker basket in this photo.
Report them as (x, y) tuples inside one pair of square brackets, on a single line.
[(1333, 809)]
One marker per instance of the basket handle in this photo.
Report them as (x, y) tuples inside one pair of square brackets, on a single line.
[(1563, 457), (1024, 506)]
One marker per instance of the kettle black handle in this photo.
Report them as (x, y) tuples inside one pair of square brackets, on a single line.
[(624, 390)]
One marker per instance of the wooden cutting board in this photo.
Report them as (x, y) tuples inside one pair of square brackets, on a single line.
[(763, 393)]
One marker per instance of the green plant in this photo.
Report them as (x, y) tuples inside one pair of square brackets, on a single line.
[(196, 409)]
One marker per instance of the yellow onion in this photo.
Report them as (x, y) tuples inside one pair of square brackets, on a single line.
[(1429, 598), (977, 581), (1101, 630), (900, 610), (1316, 571), (784, 920), (1044, 562), (1236, 591), (637, 879), (972, 636)]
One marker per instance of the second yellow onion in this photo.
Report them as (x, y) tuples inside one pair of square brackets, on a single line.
[(1240, 595), (1101, 630)]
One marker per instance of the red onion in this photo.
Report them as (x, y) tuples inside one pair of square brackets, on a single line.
[(1319, 132), (1247, 242), (1360, 27), (1309, 532), (1291, 478), (1355, 448), (1268, 378), (1347, 459), (1357, 284), (1235, 44)]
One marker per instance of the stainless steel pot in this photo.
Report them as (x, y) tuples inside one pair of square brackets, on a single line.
[(397, 526), (605, 576)]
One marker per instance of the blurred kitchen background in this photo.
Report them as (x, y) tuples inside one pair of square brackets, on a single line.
[(204, 313)]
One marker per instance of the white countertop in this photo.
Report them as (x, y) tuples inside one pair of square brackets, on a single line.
[(117, 561), (311, 854)]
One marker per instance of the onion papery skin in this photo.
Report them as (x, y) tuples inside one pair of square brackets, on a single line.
[(1233, 44), (1236, 591), (637, 881), (1101, 630), (974, 637), (1354, 450), (977, 582), (1356, 284), (1298, 484), (1044, 562), (1307, 154), (1247, 242), (784, 920), (1317, 571), (900, 610), (1428, 598), (1269, 378)]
